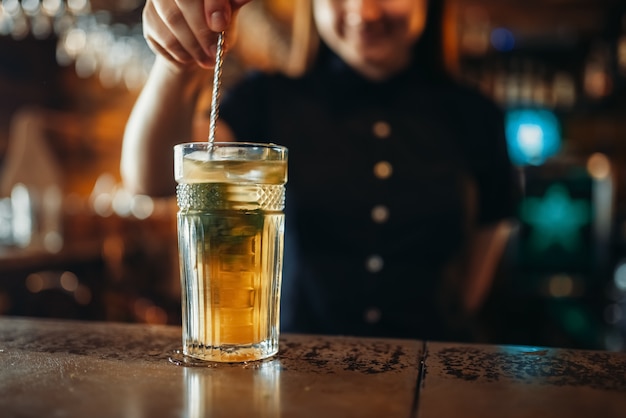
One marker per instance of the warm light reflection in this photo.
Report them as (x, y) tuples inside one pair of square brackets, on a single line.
[(86, 65), (69, 281), (41, 27), (66, 281), (20, 27), (75, 41), (121, 203), (53, 241), (597, 81), (113, 249), (563, 90), (102, 205), (621, 54), (35, 283), (51, 7), (78, 6), (563, 286), (142, 206), (101, 197), (257, 382), (475, 31), (383, 170), (598, 166), (109, 197), (148, 312), (90, 40)]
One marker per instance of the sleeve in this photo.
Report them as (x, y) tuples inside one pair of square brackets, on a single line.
[(243, 108), (496, 177)]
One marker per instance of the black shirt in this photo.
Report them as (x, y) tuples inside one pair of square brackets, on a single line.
[(378, 192)]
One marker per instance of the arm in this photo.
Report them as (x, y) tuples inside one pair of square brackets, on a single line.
[(493, 202), (468, 280), (161, 117), (485, 249), (183, 36)]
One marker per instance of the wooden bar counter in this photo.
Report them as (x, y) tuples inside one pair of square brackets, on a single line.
[(56, 368)]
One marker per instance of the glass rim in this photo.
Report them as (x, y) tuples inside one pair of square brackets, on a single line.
[(243, 144)]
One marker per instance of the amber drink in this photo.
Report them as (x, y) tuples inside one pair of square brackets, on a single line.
[(230, 237)]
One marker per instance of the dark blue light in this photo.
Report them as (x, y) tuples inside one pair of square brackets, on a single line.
[(502, 39)]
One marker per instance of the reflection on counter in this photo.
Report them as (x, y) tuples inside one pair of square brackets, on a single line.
[(205, 392)]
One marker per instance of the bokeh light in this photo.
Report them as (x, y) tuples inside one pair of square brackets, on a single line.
[(502, 39), (619, 277), (533, 135), (598, 166)]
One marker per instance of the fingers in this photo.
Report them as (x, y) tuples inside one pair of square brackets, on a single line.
[(185, 31), (217, 14), (160, 38)]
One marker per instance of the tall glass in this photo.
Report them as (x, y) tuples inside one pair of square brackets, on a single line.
[(230, 237)]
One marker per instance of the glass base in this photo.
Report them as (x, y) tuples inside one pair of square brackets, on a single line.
[(230, 353)]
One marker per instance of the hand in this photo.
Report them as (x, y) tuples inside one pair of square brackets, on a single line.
[(185, 31)]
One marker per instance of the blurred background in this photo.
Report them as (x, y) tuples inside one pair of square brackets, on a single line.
[(75, 244)]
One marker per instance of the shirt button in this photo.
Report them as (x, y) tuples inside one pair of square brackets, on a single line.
[(380, 214), (372, 315), (381, 129), (383, 170), (374, 263)]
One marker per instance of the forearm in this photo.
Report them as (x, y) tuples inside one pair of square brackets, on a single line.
[(485, 252), (162, 117)]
